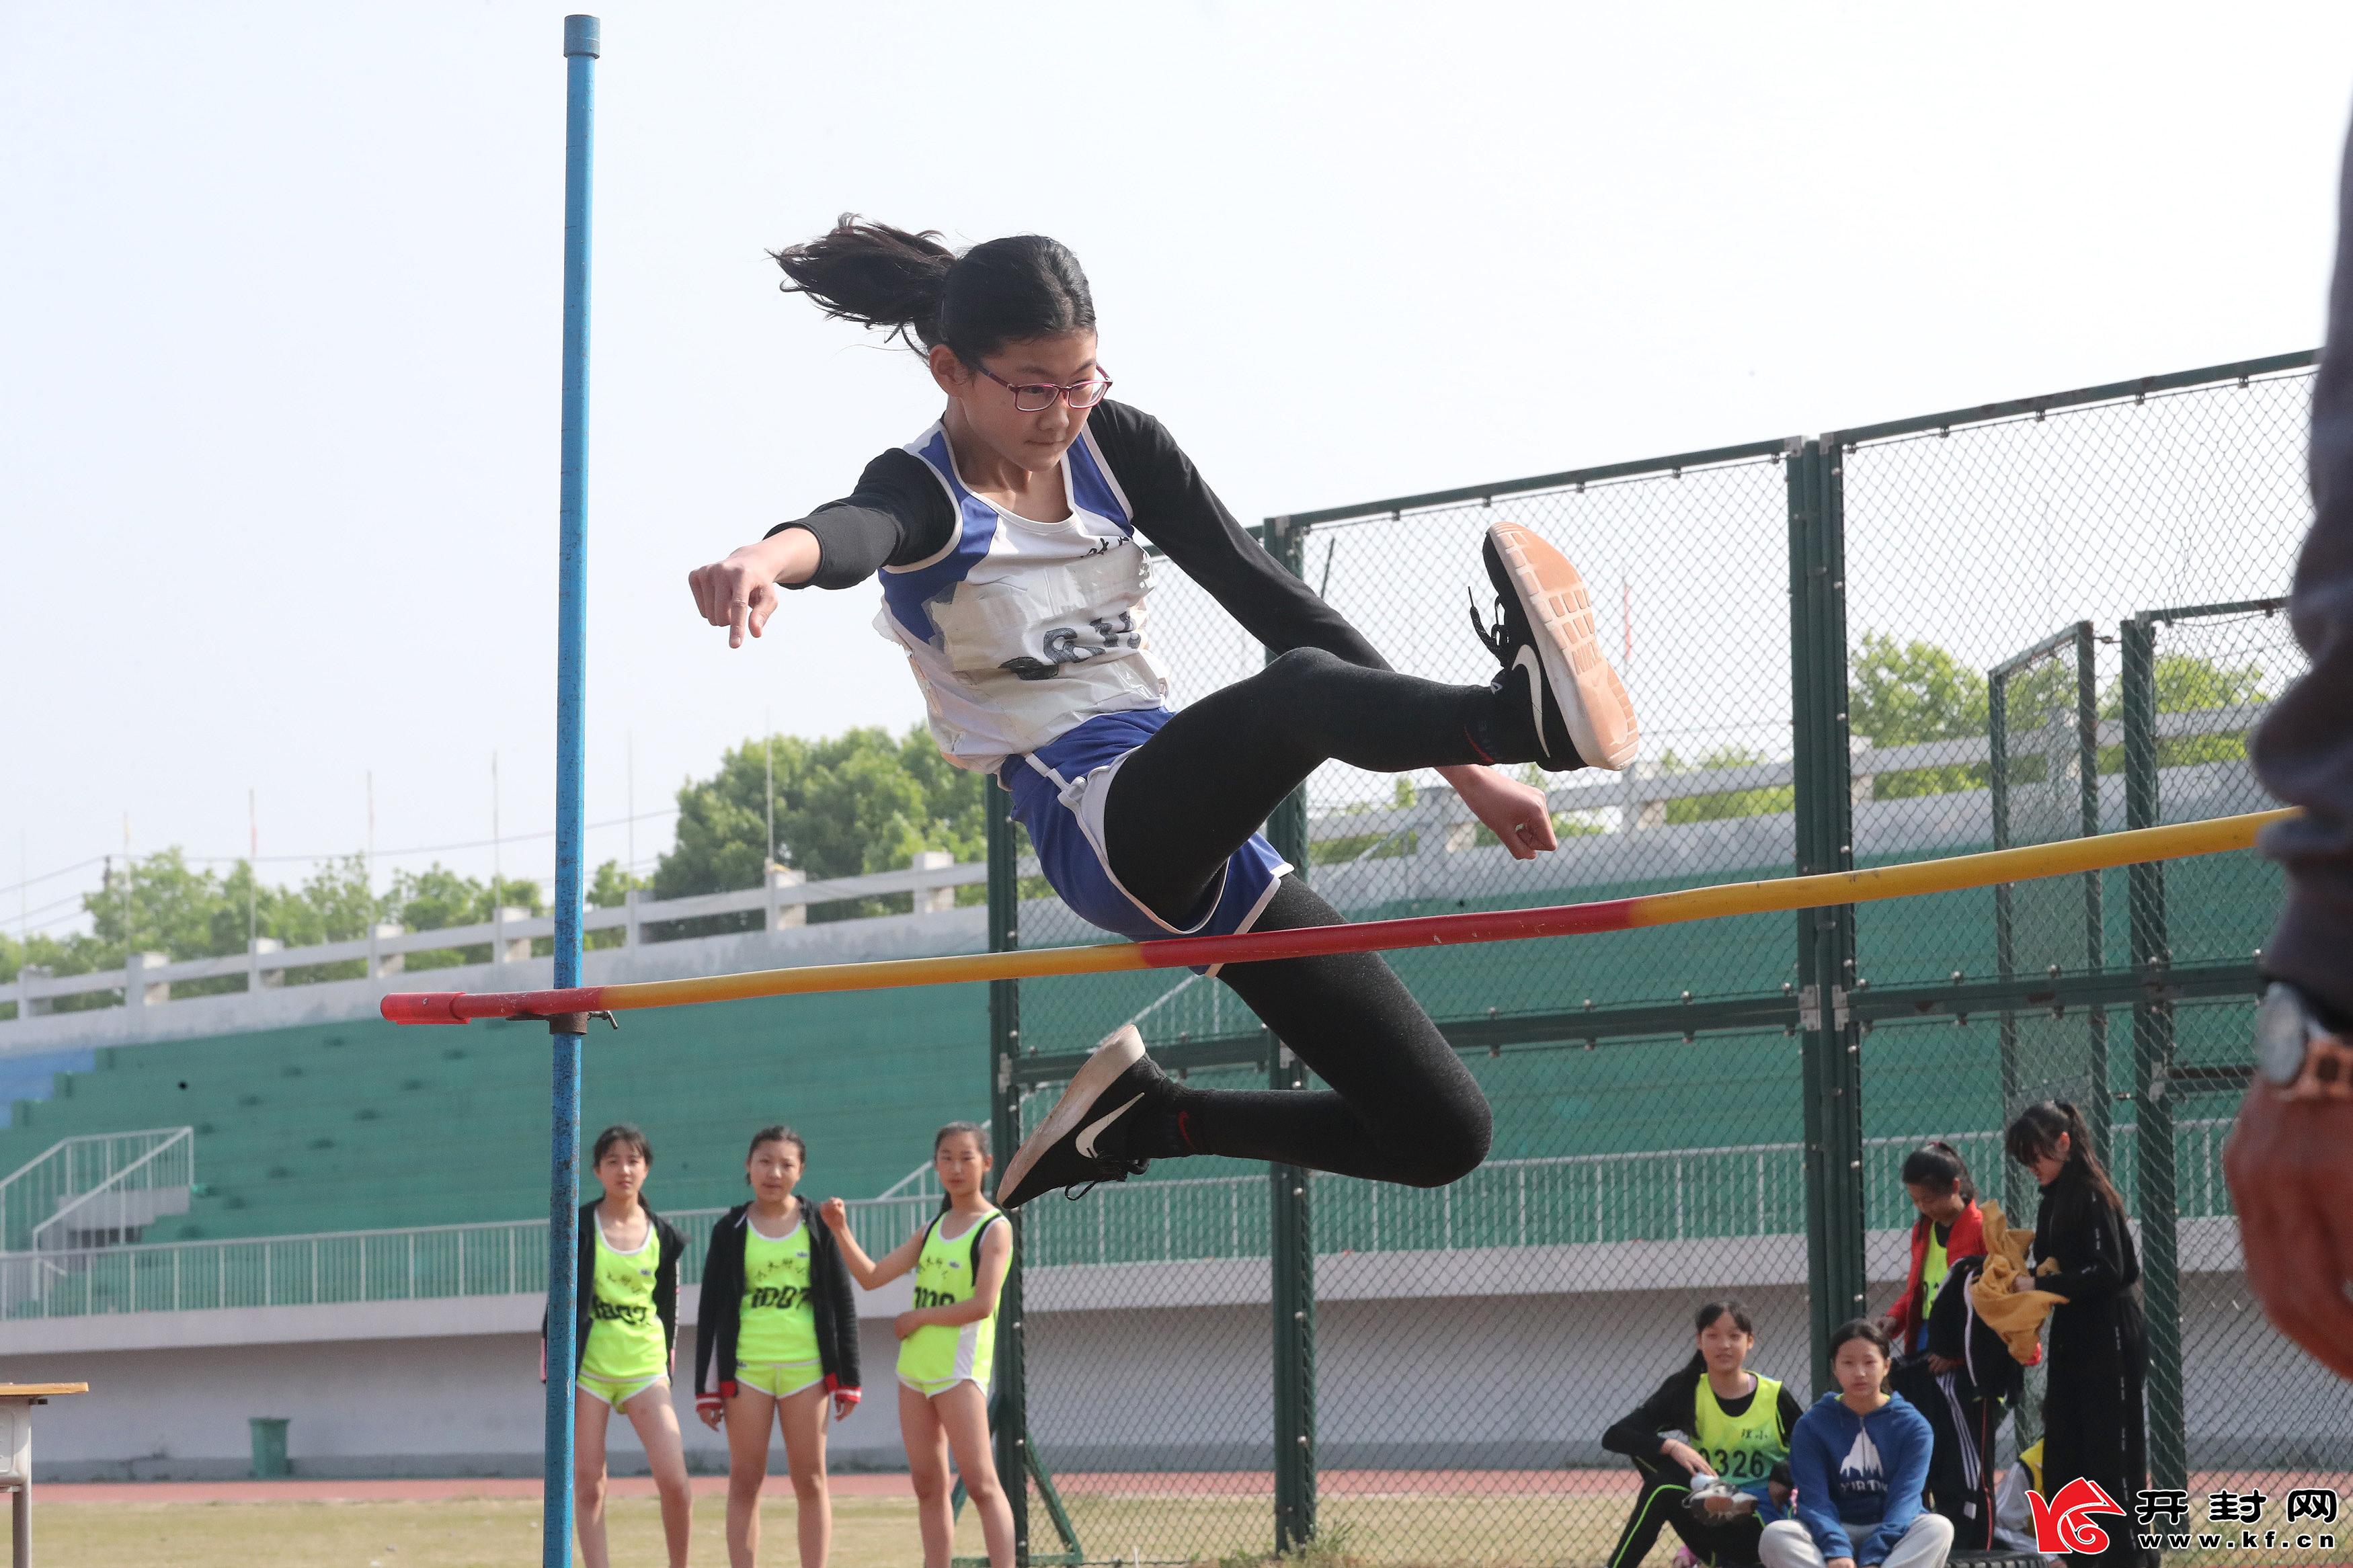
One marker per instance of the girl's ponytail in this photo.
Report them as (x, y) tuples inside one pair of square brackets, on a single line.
[(874, 273), (920, 293)]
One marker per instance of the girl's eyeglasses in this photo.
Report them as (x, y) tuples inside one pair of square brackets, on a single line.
[(1038, 397)]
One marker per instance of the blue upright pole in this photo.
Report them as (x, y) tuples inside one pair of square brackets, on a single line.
[(580, 51)]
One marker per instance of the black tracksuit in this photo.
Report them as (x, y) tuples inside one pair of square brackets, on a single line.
[(722, 1310), (2093, 1423), (1666, 1485), (584, 1298), (1964, 1406)]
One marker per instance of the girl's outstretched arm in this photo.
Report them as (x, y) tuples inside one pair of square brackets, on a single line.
[(869, 1274)]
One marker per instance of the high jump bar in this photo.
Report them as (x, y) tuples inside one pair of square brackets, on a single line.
[(2068, 857)]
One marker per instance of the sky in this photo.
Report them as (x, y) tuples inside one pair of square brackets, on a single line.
[(279, 319)]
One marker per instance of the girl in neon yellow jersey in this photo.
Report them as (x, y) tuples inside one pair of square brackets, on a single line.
[(775, 1345), (627, 1326), (1734, 1426), (947, 1342)]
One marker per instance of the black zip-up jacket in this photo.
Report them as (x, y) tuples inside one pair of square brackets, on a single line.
[(1988, 1370), (665, 1287), (722, 1310)]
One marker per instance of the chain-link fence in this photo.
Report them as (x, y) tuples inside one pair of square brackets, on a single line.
[(1915, 640)]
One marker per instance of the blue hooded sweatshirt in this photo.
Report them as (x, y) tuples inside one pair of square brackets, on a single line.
[(1859, 1478)]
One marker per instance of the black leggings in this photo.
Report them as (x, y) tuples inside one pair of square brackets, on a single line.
[(1402, 1107), (1663, 1500)]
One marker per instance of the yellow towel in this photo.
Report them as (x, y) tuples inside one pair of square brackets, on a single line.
[(2009, 1306)]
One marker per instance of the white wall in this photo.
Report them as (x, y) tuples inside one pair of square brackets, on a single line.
[(1128, 1369)]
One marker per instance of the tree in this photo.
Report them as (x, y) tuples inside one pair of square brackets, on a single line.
[(1904, 694), (2187, 683), (437, 897), (858, 802), (1766, 800)]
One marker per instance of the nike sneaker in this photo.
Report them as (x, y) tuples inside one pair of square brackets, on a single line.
[(1544, 638), (1088, 1136)]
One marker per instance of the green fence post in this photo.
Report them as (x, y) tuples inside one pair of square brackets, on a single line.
[(1012, 1434), (2017, 1184), (1291, 1217), (2096, 937), (1832, 1043), (2155, 1195)]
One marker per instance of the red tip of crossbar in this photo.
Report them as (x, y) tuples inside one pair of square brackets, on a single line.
[(422, 1007), (466, 1006)]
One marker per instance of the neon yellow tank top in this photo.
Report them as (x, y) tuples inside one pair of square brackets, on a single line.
[(1742, 1449), (778, 1325), (937, 1355), (625, 1335), (1933, 1267)]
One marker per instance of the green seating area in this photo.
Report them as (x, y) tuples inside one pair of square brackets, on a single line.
[(361, 1126)]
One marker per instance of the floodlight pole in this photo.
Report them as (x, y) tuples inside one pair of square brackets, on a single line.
[(581, 47)]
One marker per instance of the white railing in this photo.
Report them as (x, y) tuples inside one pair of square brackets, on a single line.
[(33, 1196), (1435, 823), (115, 1211), (335, 1268), (1670, 1194), (147, 978)]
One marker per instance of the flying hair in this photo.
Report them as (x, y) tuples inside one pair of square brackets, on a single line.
[(908, 285)]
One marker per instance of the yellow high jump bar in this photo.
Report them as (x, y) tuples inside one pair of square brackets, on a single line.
[(1954, 874)]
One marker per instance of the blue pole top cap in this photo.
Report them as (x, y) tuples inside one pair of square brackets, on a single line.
[(580, 37)]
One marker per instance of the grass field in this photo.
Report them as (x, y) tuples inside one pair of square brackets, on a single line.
[(869, 1532), (1361, 1527)]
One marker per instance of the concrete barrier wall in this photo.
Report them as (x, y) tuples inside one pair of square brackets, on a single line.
[(1147, 1376)]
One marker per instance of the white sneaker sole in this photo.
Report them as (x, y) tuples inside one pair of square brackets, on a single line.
[(1101, 1068), (1591, 697)]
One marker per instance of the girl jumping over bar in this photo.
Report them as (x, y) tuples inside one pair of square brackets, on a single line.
[(1009, 537)]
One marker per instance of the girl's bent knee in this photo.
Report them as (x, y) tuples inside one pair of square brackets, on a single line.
[(1448, 1147)]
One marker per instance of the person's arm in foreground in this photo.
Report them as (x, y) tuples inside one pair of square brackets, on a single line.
[(2290, 1159)]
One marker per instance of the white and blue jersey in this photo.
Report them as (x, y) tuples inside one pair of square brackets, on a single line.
[(1021, 630), (1030, 640)]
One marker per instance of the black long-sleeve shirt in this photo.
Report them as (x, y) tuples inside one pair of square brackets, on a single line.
[(1674, 1407), (899, 515), (2088, 1237)]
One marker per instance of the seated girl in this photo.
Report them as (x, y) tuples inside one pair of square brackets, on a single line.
[(1860, 1459), (1738, 1425)]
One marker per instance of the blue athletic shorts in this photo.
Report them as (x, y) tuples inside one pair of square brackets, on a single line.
[(1058, 795)]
